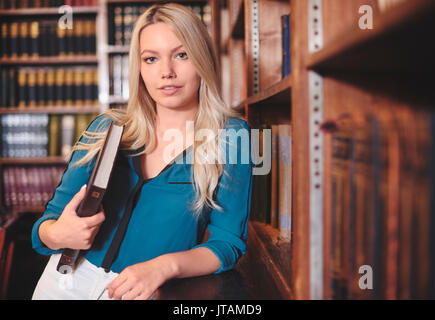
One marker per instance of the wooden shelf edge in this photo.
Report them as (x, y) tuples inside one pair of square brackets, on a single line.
[(118, 49), (385, 23), (276, 89), (51, 110), (79, 59), (261, 246), (48, 11), (34, 161)]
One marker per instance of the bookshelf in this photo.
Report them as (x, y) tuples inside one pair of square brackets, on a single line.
[(367, 79), (343, 80), (380, 76), (41, 61)]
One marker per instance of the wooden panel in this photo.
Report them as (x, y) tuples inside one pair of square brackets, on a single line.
[(300, 181), (398, 40), (270, 13)]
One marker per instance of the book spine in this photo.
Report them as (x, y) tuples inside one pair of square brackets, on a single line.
[(124, 76), (284, 181), (78, 87), (95, 87), (119, 37), (22, 88), (34, 39), (5, 40), (23, 39), (274, 178), (127, 22), (69, 87), (14, 39), (31, 87), (285, 25), (40, 87), (88, 86), (67, 128)]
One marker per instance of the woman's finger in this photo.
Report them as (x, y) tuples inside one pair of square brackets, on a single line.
[(121, 290)]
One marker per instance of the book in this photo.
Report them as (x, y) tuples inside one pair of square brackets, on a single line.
[(285, 25), (96, 188), (274, 186), (284, 180)]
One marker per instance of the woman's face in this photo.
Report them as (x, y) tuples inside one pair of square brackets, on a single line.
[(164, 63)]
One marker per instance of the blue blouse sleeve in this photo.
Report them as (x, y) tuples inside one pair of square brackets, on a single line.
[(73, 179), (229, 228)]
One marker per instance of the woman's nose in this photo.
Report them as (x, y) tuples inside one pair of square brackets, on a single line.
[(167, 70)]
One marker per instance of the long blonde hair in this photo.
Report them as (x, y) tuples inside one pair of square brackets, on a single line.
[(140, 117)]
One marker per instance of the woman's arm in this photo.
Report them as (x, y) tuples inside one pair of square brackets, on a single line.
[(191, 263), (140, 280)]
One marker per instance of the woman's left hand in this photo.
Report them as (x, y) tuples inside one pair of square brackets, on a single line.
[(140, 281)]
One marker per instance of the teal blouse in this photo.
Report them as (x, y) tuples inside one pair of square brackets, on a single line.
[(162, 220)]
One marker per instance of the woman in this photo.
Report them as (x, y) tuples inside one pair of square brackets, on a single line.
[(155, 213)]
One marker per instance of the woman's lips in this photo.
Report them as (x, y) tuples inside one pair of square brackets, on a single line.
[(170, 92)]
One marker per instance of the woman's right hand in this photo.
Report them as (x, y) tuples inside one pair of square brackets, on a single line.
[(70, 230)]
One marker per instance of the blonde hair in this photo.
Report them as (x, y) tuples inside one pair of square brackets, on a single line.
[(140, 117)]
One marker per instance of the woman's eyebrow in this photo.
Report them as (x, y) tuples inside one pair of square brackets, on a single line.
[(152, 51)]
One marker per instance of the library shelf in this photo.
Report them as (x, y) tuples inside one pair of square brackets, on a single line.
[(268, 257), (48, 11), (51, 110), (118, 49), (75, 60), (399, 40), (272, 103), (34, 161)]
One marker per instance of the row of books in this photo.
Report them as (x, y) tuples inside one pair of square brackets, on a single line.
[(41, 135), (34, 38), (30, 185), (48, 86), (118, 76), (21, 4), (271, 198), (382, 212), (121, 19)]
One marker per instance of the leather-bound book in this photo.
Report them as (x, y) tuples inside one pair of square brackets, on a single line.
[(95, 190)]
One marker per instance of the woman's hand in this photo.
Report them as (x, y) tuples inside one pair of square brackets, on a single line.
[(141, 280), (70, 230)]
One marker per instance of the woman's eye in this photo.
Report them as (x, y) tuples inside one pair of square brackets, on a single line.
[(148, 60), (183, 55)]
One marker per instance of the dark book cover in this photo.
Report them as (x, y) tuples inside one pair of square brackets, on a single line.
[(5, 40), (50, 87), (59, 86), (34, 39), (23, 39), (31, 87), (285, 25), (22, 88), (96, 188), (13, 31)]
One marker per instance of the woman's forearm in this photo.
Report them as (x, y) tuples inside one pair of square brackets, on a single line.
[(44, 234), (191, 263)]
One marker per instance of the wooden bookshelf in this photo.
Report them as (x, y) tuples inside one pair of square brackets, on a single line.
[(51, 110), (270, 104), (28, 12), (33, 161), (398, 42), (36, 61)]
